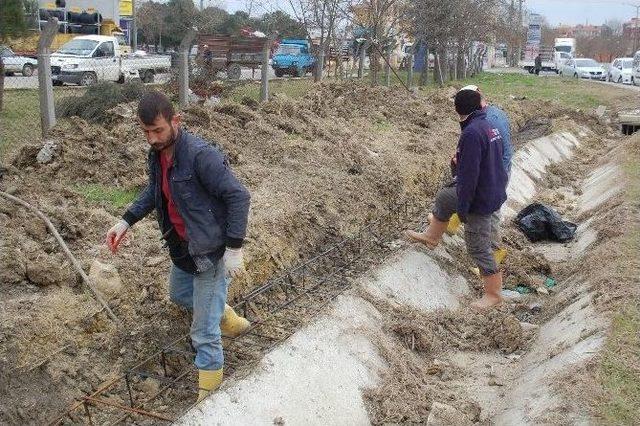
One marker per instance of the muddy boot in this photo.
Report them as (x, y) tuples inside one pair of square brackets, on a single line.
[(432, 236), (208, 381), (232, 324), (491, 297)]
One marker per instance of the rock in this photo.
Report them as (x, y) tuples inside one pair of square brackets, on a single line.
[(510, 294), (13, 268), (278, 421), (154, 261), (47, 152), (149, 386), (527, 326), (445, 415), (44, 270), (106, 278)]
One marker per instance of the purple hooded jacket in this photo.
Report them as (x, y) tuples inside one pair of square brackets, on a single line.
[(481, 179)]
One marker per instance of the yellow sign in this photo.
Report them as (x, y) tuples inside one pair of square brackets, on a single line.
[(126, 7)]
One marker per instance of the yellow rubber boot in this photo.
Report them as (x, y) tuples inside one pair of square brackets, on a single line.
[(454, 224), (499, 255), (208, 381), (232, 324)]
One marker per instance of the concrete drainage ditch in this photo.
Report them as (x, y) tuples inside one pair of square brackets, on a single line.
[(318, 375)]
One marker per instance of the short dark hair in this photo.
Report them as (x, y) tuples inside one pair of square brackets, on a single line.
[(467, 101), (152, 104)]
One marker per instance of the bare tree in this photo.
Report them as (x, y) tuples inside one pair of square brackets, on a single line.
[(320, 18)]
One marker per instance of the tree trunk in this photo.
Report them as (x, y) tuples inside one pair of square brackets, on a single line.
[(460, 63), (424, 75), (319, 65), (437, 75), (1, 82), (373, 65)]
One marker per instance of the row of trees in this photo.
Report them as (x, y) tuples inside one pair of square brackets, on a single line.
[(165, 24)]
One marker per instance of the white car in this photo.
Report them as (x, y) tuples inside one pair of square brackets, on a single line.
[(14, 63), (620, 70), (583, 68)]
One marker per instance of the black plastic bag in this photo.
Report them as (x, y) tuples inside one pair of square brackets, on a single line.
[(539, 222)]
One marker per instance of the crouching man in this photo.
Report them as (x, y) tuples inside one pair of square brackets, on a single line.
[(478, 191), (202, 211)]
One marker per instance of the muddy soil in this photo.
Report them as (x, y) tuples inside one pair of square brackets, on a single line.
[(318, 168)]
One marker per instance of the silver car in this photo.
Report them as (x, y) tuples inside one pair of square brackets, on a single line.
[(17, 64), (583, 68)]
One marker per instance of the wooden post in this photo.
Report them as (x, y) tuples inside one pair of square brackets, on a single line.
[(264, 77), (45, 84), (183, 68)]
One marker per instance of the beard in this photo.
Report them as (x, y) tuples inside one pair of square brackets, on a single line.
[(161, 145)]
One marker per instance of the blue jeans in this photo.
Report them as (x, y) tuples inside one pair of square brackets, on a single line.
[(205, 294)]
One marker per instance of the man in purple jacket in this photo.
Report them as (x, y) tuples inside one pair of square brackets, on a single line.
[(478, 191)]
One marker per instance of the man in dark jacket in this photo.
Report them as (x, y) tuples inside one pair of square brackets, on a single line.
[(478, 191), (538, 64), (202, 211)]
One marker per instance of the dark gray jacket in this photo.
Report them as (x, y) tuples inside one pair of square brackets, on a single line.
[(209, 198)]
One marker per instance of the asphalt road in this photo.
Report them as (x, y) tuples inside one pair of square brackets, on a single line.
[(20, 82)]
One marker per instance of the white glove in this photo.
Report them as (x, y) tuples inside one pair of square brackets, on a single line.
[(233, 262), (116, 234)]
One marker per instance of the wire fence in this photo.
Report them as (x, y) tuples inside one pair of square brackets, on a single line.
[(79, 78)]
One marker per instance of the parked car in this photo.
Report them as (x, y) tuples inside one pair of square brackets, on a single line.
[(635, 69), (85, 60), (17, 64), (583, 68), (620, 70)]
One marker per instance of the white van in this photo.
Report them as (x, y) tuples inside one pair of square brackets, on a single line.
[(635, 71)]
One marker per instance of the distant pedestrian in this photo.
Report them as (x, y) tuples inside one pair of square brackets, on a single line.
[(538, 64)]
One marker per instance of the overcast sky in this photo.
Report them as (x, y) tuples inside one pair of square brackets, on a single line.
[(573, 12), (556, 11)]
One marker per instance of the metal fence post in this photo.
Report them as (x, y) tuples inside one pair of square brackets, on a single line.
[(45, 84), (264, 73), (363, 52), (410, 71), (183, 68)]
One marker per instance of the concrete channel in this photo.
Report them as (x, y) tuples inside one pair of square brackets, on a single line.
[(316, 377)]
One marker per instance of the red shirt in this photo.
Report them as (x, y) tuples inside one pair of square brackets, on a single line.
[(174, 216)]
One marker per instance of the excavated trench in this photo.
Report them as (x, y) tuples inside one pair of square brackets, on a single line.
[(326, 371), (380, 317)]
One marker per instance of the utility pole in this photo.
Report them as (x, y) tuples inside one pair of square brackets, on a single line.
[(134, 27), (519, 33)]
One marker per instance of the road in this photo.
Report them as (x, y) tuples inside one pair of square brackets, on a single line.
[(20, 82), (553, 74)]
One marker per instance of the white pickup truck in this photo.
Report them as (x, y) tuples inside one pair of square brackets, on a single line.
[(85, 60)]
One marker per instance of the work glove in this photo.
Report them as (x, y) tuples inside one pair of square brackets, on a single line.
[(233, 262), (116, 234)]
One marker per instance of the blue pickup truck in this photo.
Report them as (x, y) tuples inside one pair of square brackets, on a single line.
[(293, 57)]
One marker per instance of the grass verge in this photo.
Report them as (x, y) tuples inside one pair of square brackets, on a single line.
[(619, 369), (107, 196), (19, 119), (570, 92)]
